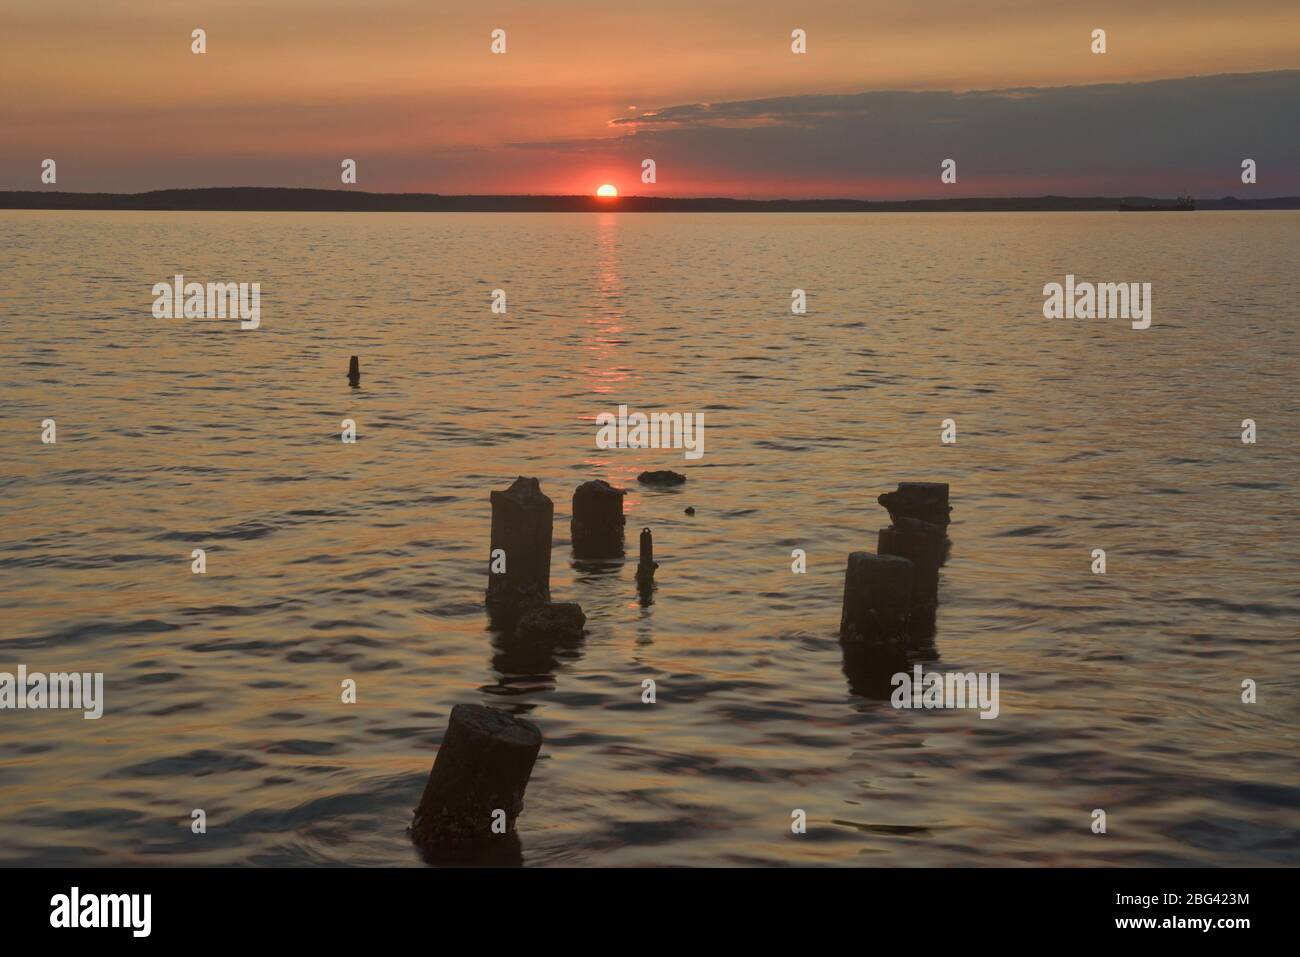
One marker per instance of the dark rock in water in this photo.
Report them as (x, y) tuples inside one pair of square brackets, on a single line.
[(521, 528), (690, 509), (927, 501), (553, 621), (482, 767), (354, 371), (664, 477), (877, 600), (597, 524)]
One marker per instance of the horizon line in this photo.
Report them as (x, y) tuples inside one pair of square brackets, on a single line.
[(333, 199), (342, 191)]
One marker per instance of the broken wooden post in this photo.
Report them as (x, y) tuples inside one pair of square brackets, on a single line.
[(354, 372), (877, 600), (923, 545), (597, 524), (645, 568), (519, 569), (927, 501), (478, 778)]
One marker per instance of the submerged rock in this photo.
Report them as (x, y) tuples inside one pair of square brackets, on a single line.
[(553, 621), (664, 477)]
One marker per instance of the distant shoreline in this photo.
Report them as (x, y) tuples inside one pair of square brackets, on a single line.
[(284, 199)]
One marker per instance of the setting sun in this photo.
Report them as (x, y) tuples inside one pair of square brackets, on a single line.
[(607, 190)]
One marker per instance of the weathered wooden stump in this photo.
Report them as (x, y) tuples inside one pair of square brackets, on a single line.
[(922, 544), (927, 501), (597, 524), (354, 372), (521, 538), (482, 767), (877, 600)]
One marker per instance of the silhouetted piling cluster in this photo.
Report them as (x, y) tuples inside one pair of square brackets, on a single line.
[(475, 789), (482, 768), (892, 597)]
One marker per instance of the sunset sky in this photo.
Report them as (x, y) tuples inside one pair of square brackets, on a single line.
[(712, 92)]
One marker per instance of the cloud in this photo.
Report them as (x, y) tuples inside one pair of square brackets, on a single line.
[(1116, 138)]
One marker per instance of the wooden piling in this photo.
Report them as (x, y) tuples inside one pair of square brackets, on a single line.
[(877, 600), (596, 528), (482, 767), (354, 372), (646, 565), (924, 546), (521, 528), (921, 543)]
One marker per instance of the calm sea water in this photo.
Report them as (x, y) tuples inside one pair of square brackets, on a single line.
[(329, 561)]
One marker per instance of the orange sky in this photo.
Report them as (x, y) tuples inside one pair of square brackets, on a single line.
[(410, 89)]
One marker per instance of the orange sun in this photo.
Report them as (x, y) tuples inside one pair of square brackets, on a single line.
[(607, 190)]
